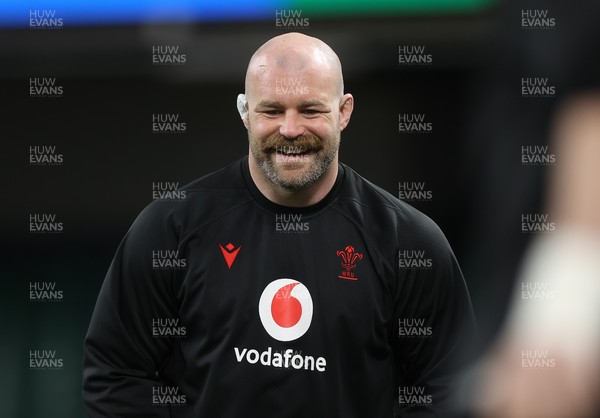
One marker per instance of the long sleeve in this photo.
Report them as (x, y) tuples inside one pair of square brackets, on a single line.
[(434, 320), (122, 353)]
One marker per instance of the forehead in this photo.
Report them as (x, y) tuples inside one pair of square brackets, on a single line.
[(285, 85), (310, 75)]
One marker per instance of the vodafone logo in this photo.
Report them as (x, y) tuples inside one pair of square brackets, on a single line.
[(285, 308)]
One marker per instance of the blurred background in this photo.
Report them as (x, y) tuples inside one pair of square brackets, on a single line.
[(116, 66)]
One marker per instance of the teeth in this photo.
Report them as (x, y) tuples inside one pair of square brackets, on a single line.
[(291, 152)]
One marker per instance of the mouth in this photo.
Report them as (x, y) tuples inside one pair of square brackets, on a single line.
[(291, 153), (291, 150)]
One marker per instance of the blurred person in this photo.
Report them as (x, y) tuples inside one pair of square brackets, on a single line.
[(275, 286), (500, 186), (563, 324)]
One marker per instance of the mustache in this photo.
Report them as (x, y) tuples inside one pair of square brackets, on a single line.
[(306, 142)]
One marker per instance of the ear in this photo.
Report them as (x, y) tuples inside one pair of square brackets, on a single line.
[(242, 107), (346, 107)]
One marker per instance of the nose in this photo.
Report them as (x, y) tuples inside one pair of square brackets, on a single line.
[(291, 125)]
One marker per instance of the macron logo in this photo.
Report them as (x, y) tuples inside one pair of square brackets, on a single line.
[(230, 253)]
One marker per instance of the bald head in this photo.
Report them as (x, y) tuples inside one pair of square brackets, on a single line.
[(295, 53), (294, 110)]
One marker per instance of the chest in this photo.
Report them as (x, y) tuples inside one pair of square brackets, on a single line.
[(285, 278)]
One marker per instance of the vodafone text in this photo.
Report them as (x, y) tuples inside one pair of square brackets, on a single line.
[(268, 358)]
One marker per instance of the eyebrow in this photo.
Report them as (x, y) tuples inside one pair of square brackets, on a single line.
[(269, 103), (304, 104), (313, 103)]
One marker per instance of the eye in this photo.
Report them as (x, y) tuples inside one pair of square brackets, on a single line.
[(272, 112), (310, 111)]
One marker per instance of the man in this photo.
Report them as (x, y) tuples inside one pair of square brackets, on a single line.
[(291, 290)]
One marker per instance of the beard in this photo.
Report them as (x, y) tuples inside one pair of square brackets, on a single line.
[(294, 164)]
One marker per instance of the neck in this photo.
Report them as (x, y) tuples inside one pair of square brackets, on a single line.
[(294, 198)]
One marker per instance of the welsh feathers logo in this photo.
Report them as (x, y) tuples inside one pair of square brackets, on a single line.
[(349, 258), (285, 308)]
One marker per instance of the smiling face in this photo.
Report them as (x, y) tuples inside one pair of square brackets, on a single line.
[(296, 110)]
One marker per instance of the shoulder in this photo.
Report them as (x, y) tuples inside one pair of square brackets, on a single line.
[(196, 203), (385, 216)]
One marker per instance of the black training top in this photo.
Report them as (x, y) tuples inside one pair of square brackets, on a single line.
[(222, 304)]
